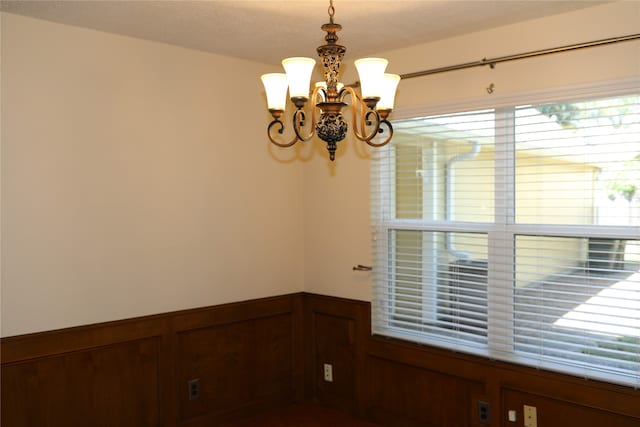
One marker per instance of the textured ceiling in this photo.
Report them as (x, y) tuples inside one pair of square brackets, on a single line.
[(269, 30)]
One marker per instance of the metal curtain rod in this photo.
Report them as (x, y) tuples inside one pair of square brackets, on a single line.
[(493, 61)]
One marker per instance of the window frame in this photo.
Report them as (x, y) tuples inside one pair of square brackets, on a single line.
[(501, 342)]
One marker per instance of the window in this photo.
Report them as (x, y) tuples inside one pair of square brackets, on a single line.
[(514, 232)]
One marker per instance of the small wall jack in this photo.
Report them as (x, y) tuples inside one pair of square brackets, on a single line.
[(193, 388), (484, 412), (328, 372)]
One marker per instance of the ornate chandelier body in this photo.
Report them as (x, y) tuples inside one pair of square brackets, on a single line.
[(370, 109)]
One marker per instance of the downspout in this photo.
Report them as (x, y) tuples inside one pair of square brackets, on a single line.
[(448, 208)]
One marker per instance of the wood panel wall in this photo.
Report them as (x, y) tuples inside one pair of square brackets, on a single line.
[(260, 354), (247, 356), (411, 385), (336, 332)]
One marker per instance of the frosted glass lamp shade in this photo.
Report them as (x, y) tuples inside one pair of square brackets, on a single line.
[(299, 75), (371, 71), (388, 92), (275, 85)]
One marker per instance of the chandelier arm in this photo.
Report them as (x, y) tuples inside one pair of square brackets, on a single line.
[(314, 108), (366, 121), (280, 131), (299, 118), (314, 95), (363, 129), (387, 124), (355, 104), (365, 118)]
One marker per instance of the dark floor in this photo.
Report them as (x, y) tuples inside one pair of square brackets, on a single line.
[(301, 415)]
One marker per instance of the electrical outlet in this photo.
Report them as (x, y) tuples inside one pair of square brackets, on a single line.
[(530, 416), (484, 412), (194, 388), (328, 372)]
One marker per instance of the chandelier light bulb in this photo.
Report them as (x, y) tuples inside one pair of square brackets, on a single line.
[(275, 86), (388, 91), (371, 71), (323, 85), (299, 75)]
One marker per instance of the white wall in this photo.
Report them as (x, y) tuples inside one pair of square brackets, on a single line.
[(336, 203), (136, 179)]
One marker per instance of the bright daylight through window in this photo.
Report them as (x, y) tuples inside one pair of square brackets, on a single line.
[(514, 233)]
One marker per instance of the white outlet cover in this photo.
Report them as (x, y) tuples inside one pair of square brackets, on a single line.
[(328, 372)]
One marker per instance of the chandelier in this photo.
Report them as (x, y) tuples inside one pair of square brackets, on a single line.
[(370, 108)]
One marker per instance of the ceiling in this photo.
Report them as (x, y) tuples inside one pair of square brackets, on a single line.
[(269, 30)]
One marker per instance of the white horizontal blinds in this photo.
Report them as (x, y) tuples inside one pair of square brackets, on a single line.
[(577, 298), (515, 233), (461, 298), (431, 281), (576, 162), (456, 308), (452, 154), (577, 309)]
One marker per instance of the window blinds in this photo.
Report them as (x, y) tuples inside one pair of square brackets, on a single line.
[(514, 233)]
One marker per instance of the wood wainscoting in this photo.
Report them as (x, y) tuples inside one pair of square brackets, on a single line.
[(261, 354), (246, 356), (401, 384)]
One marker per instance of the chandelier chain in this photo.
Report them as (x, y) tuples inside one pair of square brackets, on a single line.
[(331, 11)]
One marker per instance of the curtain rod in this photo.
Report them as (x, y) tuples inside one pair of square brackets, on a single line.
[(493, 61)]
